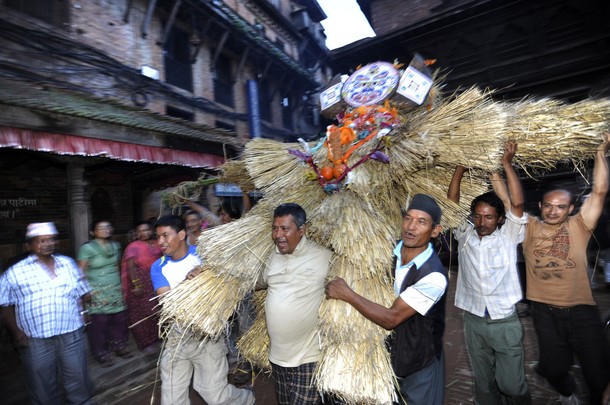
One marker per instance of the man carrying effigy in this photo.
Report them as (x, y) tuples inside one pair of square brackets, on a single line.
[(294, 279), (417, 315)]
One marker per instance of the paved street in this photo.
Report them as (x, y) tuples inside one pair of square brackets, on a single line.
[(132, 382)]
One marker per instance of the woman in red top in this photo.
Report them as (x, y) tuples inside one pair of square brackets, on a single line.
[(137, 287)]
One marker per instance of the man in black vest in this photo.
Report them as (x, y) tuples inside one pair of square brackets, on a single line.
[(417, 316)]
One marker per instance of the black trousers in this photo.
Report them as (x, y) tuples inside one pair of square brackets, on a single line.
[(567, 332)]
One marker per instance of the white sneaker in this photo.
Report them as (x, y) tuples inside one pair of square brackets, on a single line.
[(571, 400)]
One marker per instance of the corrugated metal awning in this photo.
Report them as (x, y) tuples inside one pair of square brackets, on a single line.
[(76, 145)]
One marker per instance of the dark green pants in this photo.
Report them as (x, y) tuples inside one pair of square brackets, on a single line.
[(495, 349)]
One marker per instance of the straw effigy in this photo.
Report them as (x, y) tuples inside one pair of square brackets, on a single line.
[(361, 222)]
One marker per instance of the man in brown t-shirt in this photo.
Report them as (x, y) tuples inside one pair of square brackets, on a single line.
[(565, 315)]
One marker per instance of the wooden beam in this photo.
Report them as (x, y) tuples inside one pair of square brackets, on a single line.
[(149, 13), (242, 62), (22, 117), (203, 34), (266, 69), (219, 48), (127, 11), (303, 45), (170, 22)]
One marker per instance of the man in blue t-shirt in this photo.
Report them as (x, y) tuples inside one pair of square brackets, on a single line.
[(186, 356)]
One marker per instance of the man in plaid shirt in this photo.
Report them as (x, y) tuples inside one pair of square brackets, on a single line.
[(41, 299)]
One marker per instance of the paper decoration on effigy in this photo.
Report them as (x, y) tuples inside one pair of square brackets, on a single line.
[(396, 135)]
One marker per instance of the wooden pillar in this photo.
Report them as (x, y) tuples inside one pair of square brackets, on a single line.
[(79, 206)]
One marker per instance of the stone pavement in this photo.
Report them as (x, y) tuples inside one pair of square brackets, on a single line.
[(134, 381)]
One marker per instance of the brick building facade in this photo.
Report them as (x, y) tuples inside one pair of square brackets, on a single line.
[(106, 102)]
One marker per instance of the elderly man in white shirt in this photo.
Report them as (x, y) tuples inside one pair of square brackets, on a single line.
[(488, 286)]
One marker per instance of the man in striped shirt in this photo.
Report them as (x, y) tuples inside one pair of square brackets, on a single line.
[(41, 298)]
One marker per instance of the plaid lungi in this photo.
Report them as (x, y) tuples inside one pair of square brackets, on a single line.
[(294, 385)]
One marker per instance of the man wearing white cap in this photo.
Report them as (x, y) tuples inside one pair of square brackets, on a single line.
[(41, 299)]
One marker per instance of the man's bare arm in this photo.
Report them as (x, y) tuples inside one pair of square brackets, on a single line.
[(387, 318), (593, 206), (206, 214), (499, 187), (9, 317), (453, 192), (162, 290), (515, 191)]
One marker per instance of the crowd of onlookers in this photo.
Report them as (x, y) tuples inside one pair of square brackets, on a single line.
[(47, 299), (51, 303)]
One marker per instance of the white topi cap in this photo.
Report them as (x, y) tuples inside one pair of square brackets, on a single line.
[(39, 229)]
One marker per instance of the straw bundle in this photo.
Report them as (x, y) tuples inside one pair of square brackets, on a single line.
[(186, 190), (341, 221), (469, 138), (339, 321), (234, 171), (254, 344), (466, 130), (269, 163), (372, 183), (356, 374), (308, 195), (280, 175), (355, 363), (204, 304), (243, 257), (548, 131)]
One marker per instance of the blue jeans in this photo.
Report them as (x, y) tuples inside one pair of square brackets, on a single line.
[(44, 358), (565, 332)]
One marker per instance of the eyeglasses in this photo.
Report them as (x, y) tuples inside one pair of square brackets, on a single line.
[(103, 228)]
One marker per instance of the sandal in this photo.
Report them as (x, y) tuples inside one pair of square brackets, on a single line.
[(106, 362), (124, 353)]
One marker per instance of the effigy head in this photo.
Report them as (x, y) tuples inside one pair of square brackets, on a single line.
[(362, 106)]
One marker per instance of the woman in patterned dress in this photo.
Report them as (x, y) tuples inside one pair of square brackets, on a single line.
[(99, 259), (137, 287)]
